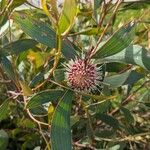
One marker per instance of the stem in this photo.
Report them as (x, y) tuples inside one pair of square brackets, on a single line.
[(45, 9), (129, 98), (105, 29), (56, 61)]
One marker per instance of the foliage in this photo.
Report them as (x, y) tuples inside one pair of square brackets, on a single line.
[(39, 110)]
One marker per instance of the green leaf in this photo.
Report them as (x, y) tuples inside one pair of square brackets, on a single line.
[(117, 42), (108, 120), (97, 3), (38, 78), (61, 129), (44, 97), (19, 46), (90, 31), (25, 89), (43, 33), (17, 3), (8, 68), (105, 133), (127, 114), (117, 80), (4, 109), (145, 98), (3, 140), (134, 54), (67, 16), (103, 107), (36, 29), (59, 75)]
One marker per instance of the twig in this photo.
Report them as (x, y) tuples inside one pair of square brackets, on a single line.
[(105, 29), (31, 117), (6, 7), (127, 138), (87, 146), (129, 98), (35, 120), (5, 81), (47, 143)]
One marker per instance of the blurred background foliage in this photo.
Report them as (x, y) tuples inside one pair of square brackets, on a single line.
[(38, 110)]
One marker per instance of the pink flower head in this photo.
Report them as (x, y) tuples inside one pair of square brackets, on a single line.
[(83, 75)]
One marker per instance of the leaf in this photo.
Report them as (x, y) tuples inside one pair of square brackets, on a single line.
[(67, 16), (105, 133), (50, 112), (117, 80), (38, 30), (44, 97), (133, 54), (59, 75), (97, 4), (61, 129), (4, 107), (145, 98), (43, 33), (38, 78), (19, 46), (127, 114), (90, 31), (8, 68), (103, 107), (3, 140), (26, 89), (17, 3), (117, 42), (108, 120), (37, 58)]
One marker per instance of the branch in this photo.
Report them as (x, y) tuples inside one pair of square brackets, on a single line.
[(105, 29)]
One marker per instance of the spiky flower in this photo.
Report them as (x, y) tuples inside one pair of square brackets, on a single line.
[(83, 75)]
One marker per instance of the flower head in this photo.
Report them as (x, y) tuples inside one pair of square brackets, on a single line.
[(83, 75)]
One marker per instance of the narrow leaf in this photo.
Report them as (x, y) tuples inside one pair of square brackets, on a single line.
[(67, 16), (127, 114), (25, 88), (134, 54), (19, 46), (117, 80), (119, 40), (108, 120), (59, 75), (61, 129), (4, 109), (44, 97), (8, 68), (43, 33), (3, 140)]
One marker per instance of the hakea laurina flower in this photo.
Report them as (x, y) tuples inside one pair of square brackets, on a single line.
[(83, 75)]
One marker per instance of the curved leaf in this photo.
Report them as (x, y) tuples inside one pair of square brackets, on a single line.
[(8, 68), (127, 114), (67, 16), (108, 120), (134, 54), (119, 40), (3, 140), (43, 33), (4, 109), (117, 80), (61, 129), (19, 46), (44, 97)]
